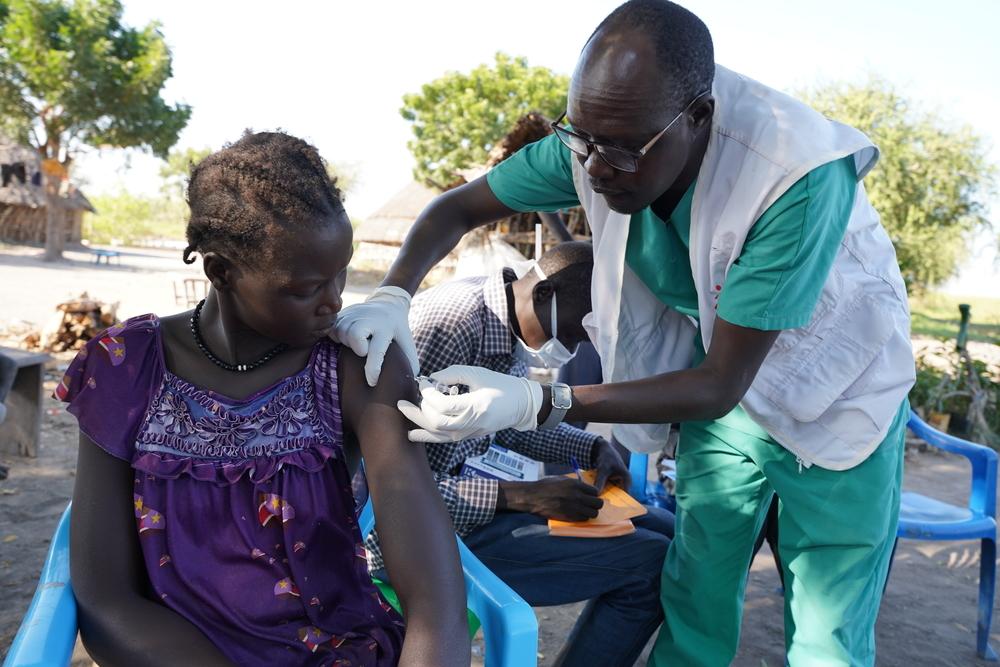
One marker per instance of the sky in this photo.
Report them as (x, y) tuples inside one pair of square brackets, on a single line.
[(335, 72)]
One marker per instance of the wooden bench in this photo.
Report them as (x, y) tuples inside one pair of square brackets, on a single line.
[(20, 432), (98, 253)]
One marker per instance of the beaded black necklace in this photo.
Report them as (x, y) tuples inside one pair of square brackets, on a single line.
[(236, 368)]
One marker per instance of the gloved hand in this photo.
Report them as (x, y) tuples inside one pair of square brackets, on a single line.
[(369, 328), (496, 401)]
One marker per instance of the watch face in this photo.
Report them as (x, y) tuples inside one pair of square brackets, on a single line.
[(562, 397)]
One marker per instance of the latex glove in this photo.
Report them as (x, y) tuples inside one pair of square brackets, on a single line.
[(496, 401), (369, 328)]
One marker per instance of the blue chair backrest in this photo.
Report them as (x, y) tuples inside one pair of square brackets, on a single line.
[(48, 632), (982, 498)]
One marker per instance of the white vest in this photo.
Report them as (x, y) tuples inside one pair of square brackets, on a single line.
[(827, 392)]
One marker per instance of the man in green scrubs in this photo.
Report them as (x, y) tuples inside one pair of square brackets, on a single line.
[(641, 109), (722, 486)]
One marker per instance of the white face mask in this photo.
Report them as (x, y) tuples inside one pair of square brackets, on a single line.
[(552, 354)]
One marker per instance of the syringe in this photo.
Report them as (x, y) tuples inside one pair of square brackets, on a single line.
[(443, 388)]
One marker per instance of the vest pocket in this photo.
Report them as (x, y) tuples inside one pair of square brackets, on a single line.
[(824, 365)]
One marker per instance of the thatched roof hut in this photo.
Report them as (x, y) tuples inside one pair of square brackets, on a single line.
[(23, 203), (390, 223), (380, 237)]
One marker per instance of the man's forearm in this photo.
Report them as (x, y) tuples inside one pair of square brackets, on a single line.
[(694, 394), (431, 238), (440, 227)]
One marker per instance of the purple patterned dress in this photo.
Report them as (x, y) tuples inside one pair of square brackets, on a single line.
[(243, 507)]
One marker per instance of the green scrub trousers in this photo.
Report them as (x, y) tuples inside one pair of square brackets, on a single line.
[(836, 532)]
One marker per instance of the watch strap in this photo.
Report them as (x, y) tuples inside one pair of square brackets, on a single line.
[(556, 414)]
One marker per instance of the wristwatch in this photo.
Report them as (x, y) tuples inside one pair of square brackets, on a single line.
[(562, 400)]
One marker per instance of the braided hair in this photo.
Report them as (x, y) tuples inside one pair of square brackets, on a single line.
[(238, 195)]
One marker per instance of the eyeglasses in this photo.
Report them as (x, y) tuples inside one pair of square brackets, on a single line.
[(616, 157)]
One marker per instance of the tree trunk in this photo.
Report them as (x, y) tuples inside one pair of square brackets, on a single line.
[(55, 235)]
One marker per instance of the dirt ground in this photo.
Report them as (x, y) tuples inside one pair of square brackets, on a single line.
[(141, 282), (928, 615)]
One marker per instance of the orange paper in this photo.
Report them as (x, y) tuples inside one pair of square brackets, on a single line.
[(613, 519), (587, 529)]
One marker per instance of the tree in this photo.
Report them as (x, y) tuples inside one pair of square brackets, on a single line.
[(177, 167), (72, 75), (131, 219), (932, 181), (457, 118)]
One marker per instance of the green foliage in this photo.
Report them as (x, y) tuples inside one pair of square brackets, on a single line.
[(176, 169), (931, 183), (943, 385), (457, 118), (72, 74), (130, 219), (935, 315)]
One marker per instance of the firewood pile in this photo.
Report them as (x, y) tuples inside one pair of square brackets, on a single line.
[(73, 324)]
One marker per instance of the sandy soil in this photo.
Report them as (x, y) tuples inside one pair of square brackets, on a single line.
[(143, 282), (928, 615)]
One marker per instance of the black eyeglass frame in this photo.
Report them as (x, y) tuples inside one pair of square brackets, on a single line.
[(566, 136)]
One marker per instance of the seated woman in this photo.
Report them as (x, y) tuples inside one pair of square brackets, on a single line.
[(213, 521)]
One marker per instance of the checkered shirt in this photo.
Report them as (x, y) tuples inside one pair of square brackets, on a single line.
[(465, 322)]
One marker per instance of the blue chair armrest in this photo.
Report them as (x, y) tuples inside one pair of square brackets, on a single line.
[(983, 459), (48, 631), (503, 614), (502, 611)]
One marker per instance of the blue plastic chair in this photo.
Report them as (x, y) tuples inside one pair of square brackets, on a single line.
[(920, 517), (924, 518), (48, 631), (647, 491), (509, 624)]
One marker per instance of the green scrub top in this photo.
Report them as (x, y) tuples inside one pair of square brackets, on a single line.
[(775, 282), (777, 278)]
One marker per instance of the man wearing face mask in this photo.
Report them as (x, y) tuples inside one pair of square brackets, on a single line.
[(505, 322)]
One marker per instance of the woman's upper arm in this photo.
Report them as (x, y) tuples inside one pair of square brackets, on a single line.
[(105, 558), (418, 540), (371, 412)]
